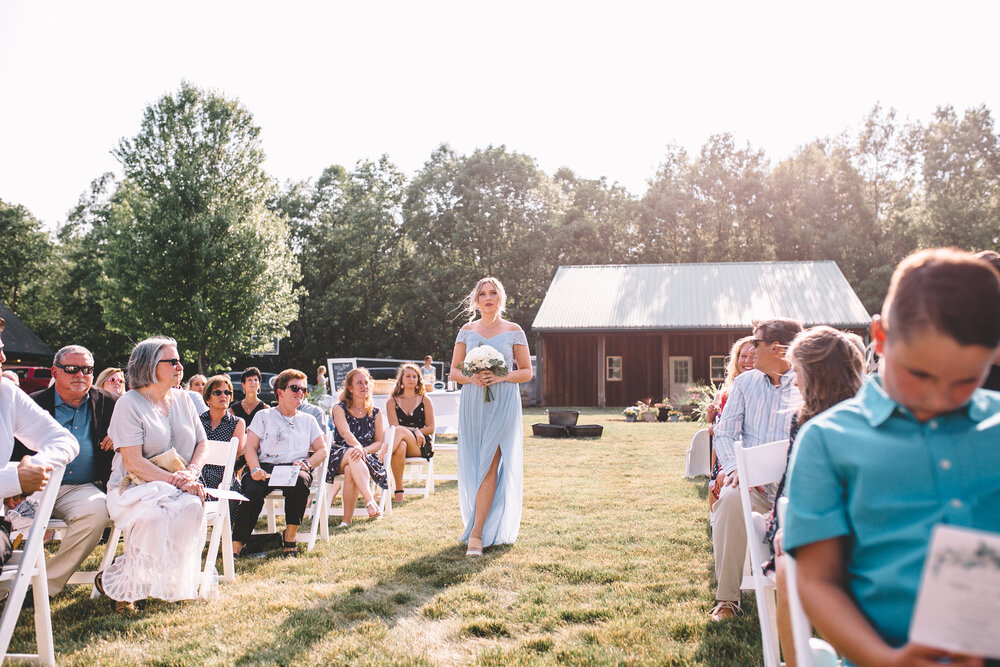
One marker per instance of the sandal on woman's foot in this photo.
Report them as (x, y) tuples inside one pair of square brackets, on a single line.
[(289, 548), (398, 496), (475, 550), (343, 525), (123, 607), (99, 583), (373, 511)]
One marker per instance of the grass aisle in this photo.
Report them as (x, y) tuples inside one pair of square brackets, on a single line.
[(612, 566)]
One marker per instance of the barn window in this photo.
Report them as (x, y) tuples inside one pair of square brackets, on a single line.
[(717, 362), (614, 369)]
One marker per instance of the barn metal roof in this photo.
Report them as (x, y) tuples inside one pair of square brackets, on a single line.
[(698, 296), (18, 338)]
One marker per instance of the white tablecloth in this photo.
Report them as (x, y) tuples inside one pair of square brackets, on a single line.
[(445, 409)]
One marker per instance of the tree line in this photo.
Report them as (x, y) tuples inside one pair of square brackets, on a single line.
[(195, 240)]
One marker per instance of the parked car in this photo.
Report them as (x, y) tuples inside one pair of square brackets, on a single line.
[(266, 386), (33, 378)]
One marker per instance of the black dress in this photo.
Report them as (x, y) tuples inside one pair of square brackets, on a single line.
[(247, 417), (362, 428), (416, 420), (211, 475)]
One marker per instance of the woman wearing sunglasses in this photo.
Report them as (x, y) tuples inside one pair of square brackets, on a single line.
[(154, 494), (222, 425), (111, 379), (280, 437)]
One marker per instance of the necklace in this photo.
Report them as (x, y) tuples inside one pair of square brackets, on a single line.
[(489, 330), (161, 408)]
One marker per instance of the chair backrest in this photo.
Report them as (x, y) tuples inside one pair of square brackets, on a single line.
[(222, 453), (764, 464), (699, 458)]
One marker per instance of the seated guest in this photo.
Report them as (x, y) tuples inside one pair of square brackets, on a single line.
[(154, 494), (221, 425), (51, 444), (916, 447), (993, 379), (111, 380), (413, 414), (195, 389), (86, 413), (280, 437), (248, 408), (741, 359), (357, 437), (829, 367)]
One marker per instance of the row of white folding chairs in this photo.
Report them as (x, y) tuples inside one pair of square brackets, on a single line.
[(757, 466)]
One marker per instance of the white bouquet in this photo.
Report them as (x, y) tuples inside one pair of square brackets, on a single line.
[(484, 358)]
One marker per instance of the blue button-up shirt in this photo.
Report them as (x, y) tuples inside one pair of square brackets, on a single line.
[(756, 412), (868, 471), (77, 421)]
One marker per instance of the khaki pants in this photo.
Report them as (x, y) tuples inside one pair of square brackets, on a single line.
[(729, 537), (84, 509)]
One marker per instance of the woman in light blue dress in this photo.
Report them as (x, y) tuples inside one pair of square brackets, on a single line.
[(490, 434)]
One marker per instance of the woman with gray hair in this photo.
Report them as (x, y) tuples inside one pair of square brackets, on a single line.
[(154, 494)]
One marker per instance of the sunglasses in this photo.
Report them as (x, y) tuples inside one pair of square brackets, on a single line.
[(220, 392), (297, 389), (172, 362), (115, 381), (73, 370)]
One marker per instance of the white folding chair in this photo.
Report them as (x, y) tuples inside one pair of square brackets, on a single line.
[(28, 566), (417, 469), (385, 505), (217, 516), (809, 651), (757, 466), (316, 507), (698, 457)]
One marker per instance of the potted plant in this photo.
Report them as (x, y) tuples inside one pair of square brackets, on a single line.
[(674, 415), (663, 409), (631, 413)]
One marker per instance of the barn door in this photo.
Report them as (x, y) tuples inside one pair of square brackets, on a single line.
[(680, 379)]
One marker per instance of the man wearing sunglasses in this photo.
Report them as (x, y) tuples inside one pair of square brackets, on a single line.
[(759, 410), (84, 411)]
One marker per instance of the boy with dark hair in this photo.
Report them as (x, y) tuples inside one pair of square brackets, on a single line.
[(919, 445)]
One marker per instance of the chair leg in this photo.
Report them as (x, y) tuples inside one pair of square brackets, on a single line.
[(228, 567), (429, 483), (272, 524), (43, 616), (109, 557), (213, 551)]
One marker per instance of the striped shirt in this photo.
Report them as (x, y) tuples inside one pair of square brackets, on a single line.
[(756, 413)]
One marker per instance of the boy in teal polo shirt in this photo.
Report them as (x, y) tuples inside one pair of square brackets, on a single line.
[(919, 445)]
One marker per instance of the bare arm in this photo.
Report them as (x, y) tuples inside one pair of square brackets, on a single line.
[(253, 462), (822, 586), (240, 433), (141, 467), (391, 414), (428, 429), (523, 361)]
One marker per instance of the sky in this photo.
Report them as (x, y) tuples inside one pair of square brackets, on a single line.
[(600, 87)]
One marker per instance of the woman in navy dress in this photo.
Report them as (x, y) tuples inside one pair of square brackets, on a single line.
[(357, 438), (222, 425), (490, 434), (411, 411)]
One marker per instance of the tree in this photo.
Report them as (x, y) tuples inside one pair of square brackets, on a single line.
[(599, 223), (192, 249), (961, 175), (489, 213), (24, 253)]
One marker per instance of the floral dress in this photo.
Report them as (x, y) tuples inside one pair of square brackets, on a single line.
[(362, 428)]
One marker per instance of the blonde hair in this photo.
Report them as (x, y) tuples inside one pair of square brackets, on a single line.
[(345, 393), (105, 374), (829, 368), (398, 389), (469, 302), (733, 362)]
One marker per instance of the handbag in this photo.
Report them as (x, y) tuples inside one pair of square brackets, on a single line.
[(427, 449), (169, 460)]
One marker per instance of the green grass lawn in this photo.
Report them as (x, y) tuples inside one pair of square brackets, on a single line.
[(612, 566)]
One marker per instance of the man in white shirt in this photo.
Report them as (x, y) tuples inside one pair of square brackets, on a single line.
[(21, 417), (759, 410)]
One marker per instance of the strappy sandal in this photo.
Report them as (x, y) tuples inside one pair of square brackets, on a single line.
[(289, 549), (474, 552), (373, 511), (120, 606), (397, 496)]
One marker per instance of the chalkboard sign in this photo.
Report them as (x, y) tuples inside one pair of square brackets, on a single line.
[(338, 369)]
